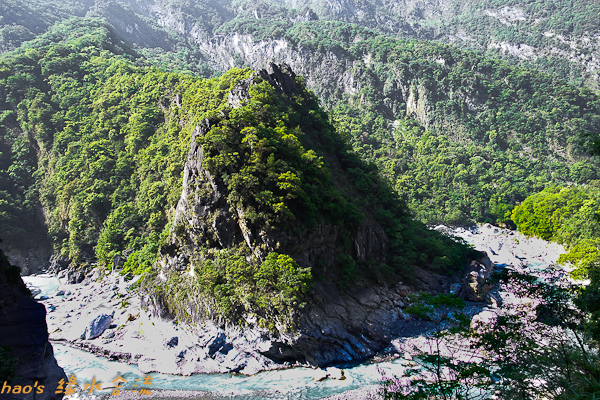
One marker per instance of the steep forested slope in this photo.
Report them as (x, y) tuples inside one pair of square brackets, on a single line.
[(83, 121), (460, 136), (243, 193), (505, 131), (102, 144), (556, 36)]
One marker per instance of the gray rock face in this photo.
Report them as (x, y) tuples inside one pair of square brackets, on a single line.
[(23, 329), (58, 263), (476, 286), (333, 327), (32, 258), (205, 216), (341, 328), (97, 326)]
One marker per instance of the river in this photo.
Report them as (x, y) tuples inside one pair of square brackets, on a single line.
[(503, 247)]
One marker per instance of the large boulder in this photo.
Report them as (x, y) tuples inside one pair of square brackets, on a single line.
[(477, 286), (97, 326)]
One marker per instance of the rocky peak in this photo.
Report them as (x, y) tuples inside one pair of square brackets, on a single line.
[(233, 259), (205, 217), (281, 77)]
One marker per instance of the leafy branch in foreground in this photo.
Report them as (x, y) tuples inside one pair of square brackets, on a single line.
[(538, 342), (445, 366), (535, 346)]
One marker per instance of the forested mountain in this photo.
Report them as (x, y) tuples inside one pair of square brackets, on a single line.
[(505, 129), (508, 130), (100, 143), (459, 136), (257, 159), (560, 37), (271, 205)]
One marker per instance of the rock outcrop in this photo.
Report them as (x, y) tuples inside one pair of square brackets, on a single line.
[(24, 341), (33, 259), (228, 228), (97, 326), (334, 326)]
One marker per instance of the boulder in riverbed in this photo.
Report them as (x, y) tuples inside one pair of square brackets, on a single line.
[(97, 326)]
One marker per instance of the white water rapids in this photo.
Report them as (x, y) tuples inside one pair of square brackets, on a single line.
[(502, 246)]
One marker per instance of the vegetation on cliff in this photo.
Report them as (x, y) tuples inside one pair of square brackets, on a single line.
[(461, 137), (93, 141), (276, 154), (506, 132), (570, 216), (102, 142)]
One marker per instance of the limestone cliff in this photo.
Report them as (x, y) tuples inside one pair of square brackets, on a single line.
[(24, 339)]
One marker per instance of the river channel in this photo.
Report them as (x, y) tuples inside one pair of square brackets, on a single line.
[(502, 246)]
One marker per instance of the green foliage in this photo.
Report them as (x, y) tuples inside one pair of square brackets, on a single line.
[(472, 136), (426, 306), (111, 143), (568, 216), (229, 286), (260, 151), (444, 368), (584, 256), (273, 154), (112, 140), (532, 348), (479, 26), (469, 162), (134, 267)]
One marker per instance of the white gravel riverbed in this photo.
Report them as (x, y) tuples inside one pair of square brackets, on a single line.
[(70, 308)]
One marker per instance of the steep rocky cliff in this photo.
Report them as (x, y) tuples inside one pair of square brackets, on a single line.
[(557, 37), (259, 269), (25, 353)]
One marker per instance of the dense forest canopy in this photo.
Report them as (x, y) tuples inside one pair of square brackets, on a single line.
[(100, 143), (555, 36), (509, 131), (99, 100)]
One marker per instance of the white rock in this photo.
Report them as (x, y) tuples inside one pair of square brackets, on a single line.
[(484, 318), (335, 373)]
